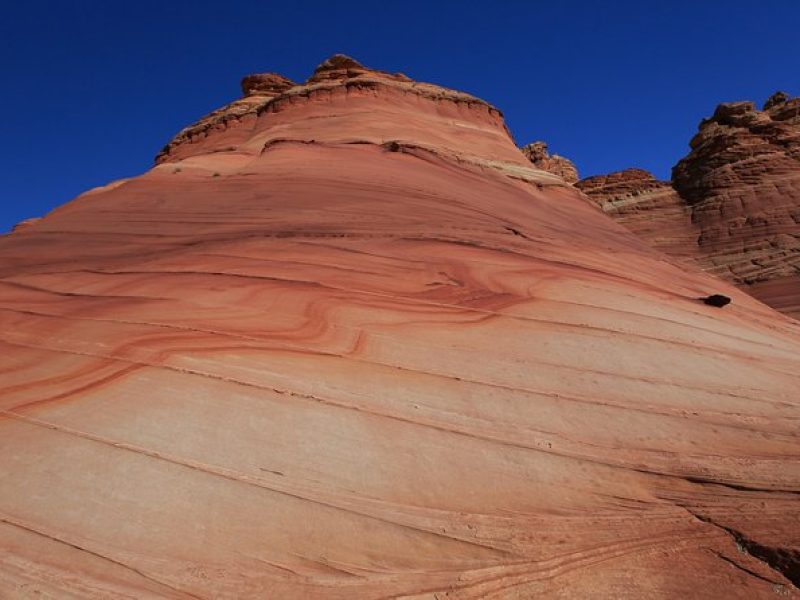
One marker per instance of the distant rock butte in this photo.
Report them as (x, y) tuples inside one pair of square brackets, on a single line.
[(734, 202), (538, 154), (345, 341), (650, 208)]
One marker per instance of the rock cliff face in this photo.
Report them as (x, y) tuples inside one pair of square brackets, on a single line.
[(348, 342), (539, 155), (652, 209), (742, 180), (733, 204)]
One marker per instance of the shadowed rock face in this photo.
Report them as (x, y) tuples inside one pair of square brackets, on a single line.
[(349, 343), (734, 202)]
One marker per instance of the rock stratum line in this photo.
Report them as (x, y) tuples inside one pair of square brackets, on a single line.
[(345, 340)]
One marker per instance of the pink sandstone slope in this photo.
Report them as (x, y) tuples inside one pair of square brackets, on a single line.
[(345, 341)]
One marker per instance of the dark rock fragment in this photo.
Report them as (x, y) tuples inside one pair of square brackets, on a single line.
[(717, 300)]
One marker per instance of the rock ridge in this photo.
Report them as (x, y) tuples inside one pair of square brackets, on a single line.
[(539, 155), (270, 92)]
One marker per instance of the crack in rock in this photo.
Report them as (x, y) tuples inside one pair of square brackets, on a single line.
[(785, 561)]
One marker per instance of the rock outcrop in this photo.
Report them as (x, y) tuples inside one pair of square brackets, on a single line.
[(22, 225), (352, 344), (257, 90), (650, 208), (742, 180), (539, 155), (734, 202), (265, 85), (229, 130)]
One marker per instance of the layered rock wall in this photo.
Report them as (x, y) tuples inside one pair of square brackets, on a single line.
[(733, 204), (650, 208), (742, 180), (539, 155)]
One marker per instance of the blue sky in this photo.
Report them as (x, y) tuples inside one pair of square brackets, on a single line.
[(92, 90)]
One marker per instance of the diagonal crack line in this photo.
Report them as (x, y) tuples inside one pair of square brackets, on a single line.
[(785, 561), (29, 529), (736, 486), (743, 568), (388, 415)]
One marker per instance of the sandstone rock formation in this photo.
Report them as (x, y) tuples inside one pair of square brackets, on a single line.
[(257, 90), (742, 180), (733, 205), (539, 155), (265, 85), (351, 344), (25, 224), (650, 208)]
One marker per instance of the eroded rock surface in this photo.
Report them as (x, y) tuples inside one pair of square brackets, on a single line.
[(652, 209), (734, 202), (24, 224), (540, 156), (352, 344), (742, 180)]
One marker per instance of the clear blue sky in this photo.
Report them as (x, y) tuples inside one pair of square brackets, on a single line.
[(92, 90)]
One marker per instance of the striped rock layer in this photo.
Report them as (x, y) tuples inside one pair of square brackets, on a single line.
[(650, 208), (541, 158), (344, 341)]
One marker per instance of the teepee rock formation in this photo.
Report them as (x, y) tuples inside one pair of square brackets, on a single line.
[(742, 180), (540, 156), (733, 205), (345, 341)]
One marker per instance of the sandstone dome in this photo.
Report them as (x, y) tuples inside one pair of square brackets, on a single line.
[(345, 340)]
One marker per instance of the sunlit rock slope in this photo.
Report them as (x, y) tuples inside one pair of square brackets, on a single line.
[(345, 341)]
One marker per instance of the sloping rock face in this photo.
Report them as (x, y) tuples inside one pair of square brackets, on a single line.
[(539, 155), (742, 179), (650, 208), (351, 344)]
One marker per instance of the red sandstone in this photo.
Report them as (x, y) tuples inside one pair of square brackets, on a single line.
[(539, 155), (734, 204), (345, 341)]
